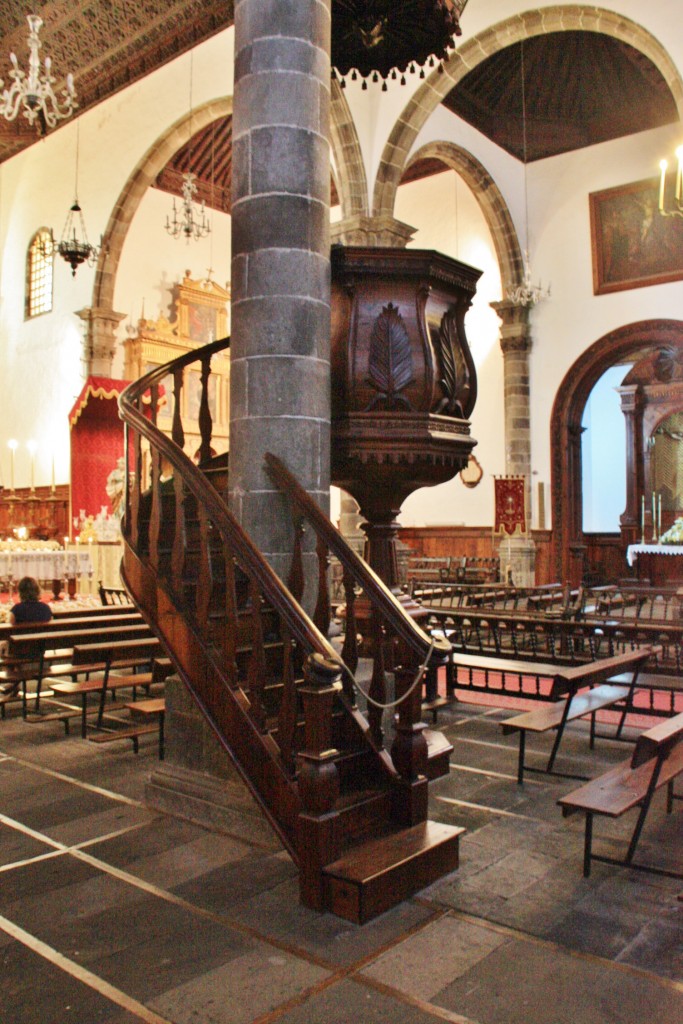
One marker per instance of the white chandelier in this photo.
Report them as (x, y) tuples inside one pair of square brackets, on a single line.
[(192, 221), (676, 208), (32, 95), (527, 294)]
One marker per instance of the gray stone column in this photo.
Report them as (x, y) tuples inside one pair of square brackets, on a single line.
[(280, 360), (515, 342)]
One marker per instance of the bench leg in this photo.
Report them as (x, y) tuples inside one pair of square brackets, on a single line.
[(587, 844), (591, 741), (161, 735), (84, 714), (520, 761), (644, 808), (558, 736)]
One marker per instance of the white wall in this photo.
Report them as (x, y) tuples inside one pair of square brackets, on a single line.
[(448, 218), (41, 360)]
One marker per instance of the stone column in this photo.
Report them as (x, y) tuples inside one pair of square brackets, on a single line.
[(100, 339), (280, 349), (515, 342)]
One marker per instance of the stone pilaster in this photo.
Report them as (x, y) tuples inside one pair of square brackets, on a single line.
[(280, 359), (515, 341), (99, 344)]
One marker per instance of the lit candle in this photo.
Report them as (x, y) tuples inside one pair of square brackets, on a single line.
[(66, 541), (659, 514), (31, 445), (642, 514), (662, 183), (52, 488), (654, 510), (12, 445), (679, 173)]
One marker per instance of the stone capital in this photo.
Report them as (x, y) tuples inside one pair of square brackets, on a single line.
[(362, 230), (100, 338), (515, 333)]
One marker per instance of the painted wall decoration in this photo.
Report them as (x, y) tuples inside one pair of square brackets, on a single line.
[(633, 245)]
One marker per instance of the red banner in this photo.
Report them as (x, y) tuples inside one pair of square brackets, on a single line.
[(510, 494)]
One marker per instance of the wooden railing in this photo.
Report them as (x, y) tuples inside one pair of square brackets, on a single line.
[(396, 640), (222, 611)]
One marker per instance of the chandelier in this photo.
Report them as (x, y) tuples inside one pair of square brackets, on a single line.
[(526, 293), (676, 209), (381, 39), (191, 221), (71, 248), (33, 95)]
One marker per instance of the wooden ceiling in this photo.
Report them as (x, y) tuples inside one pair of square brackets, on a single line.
[(579, 87)]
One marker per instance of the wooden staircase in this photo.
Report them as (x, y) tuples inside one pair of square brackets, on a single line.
[(284, 704)]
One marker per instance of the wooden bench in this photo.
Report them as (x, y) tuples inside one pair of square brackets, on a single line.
[(569, 703), (143, 711), (30, 653), (657, 760), (101, 659)]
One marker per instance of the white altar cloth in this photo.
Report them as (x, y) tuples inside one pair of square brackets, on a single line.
[(633, 550), (44, 565)]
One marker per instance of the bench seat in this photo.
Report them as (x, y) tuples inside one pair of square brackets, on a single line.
[(657, 761), (582, 704)]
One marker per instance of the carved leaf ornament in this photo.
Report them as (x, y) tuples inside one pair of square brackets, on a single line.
[(390, 361), (455, 378)]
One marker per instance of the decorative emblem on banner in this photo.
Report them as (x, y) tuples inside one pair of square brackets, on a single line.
[(510, 492)]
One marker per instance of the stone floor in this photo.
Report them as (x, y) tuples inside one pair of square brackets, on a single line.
[(110, 912)]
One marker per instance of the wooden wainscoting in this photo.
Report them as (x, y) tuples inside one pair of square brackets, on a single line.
[(473, 542)]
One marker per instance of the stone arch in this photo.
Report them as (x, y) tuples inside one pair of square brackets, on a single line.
[(132, 193), (565, 427), (490, 199), (574, 17), (349, 175)]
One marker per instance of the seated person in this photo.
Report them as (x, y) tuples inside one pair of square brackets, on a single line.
[(30, 608)]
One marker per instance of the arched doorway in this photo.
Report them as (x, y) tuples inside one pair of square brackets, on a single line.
[(626, 344)]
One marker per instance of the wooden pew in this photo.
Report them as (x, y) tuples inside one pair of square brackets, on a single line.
[(102, 658), (657, 761), (570, 703), (147, 717)]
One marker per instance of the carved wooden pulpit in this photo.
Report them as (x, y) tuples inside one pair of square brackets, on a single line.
[(403, 382)]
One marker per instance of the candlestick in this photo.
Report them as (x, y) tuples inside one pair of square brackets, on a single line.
[(654, 517), (659, 515), (642, 519), (32, 446), (52, 487), (12, 445), (662, 182)]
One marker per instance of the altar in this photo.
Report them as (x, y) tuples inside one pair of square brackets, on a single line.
[(45, 565), (658, 562)]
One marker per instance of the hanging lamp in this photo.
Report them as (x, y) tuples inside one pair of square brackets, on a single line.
[(383, 39)]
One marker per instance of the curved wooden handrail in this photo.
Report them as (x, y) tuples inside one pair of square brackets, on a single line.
[(378, 593), (302, 628)]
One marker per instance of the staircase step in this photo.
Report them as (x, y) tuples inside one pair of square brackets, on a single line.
[(439, 751), (378, 875)]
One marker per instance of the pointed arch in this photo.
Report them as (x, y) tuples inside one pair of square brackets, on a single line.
[(491, 202), (133, 192), (349, 171), (573, 17)]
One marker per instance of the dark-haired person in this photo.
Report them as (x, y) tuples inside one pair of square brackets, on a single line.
[(29, 608)]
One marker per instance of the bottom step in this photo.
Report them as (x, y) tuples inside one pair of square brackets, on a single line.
[(371, 878)]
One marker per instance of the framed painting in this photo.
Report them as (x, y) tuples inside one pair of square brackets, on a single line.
[(633, 245)]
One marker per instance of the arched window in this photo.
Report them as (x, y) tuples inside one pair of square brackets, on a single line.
[(39, 264)]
